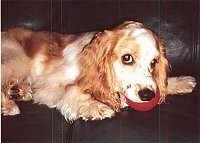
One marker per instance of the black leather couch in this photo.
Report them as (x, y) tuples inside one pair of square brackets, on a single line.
[(176, 21)]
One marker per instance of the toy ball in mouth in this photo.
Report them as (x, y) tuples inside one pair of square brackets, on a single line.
[(144, 106)]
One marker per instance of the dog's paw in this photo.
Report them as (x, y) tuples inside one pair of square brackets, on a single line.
[(95, 111), (14, 92), (9, 108), (180, 85), (19, 91)]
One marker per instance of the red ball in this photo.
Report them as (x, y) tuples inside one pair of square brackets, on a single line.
[(143, 106)]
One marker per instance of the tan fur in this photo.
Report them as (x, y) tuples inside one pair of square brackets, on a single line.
[(161, 72)]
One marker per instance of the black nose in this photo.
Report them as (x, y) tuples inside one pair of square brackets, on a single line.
[(146, 94)]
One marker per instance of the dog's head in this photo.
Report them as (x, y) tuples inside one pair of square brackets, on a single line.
[(128, 62)]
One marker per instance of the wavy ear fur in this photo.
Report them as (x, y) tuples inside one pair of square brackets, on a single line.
[(96, 74), (161, 70)]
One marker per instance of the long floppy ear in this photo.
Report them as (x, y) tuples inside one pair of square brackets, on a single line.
[(161, 70), (96, 73)]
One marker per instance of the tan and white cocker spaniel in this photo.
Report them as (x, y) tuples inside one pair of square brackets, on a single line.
[(90, 75)]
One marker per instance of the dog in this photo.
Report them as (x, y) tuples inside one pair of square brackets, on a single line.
[(88, 75)]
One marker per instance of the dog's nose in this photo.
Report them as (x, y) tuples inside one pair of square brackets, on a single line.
[(146, 94)]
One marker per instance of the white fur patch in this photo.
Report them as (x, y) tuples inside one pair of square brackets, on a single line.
[(71, 53), (138, 32), (147, 44), (38, 66)]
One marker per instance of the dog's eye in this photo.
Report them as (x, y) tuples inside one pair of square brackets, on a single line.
[(127, 59), (153, 63)]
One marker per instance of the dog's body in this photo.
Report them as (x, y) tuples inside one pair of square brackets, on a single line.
[(88, 75)]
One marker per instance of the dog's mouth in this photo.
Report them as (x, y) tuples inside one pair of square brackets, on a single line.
[(139, 106), (122, 99)]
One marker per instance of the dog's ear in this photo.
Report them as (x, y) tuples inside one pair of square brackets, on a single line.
[(96, 73), (161, 70)]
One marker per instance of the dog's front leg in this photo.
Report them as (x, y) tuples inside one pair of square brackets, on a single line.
[(8, 107), (76, 104), (180, 85)]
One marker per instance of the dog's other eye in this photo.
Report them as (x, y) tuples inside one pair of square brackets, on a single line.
[(127, 59), (153, 63)]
